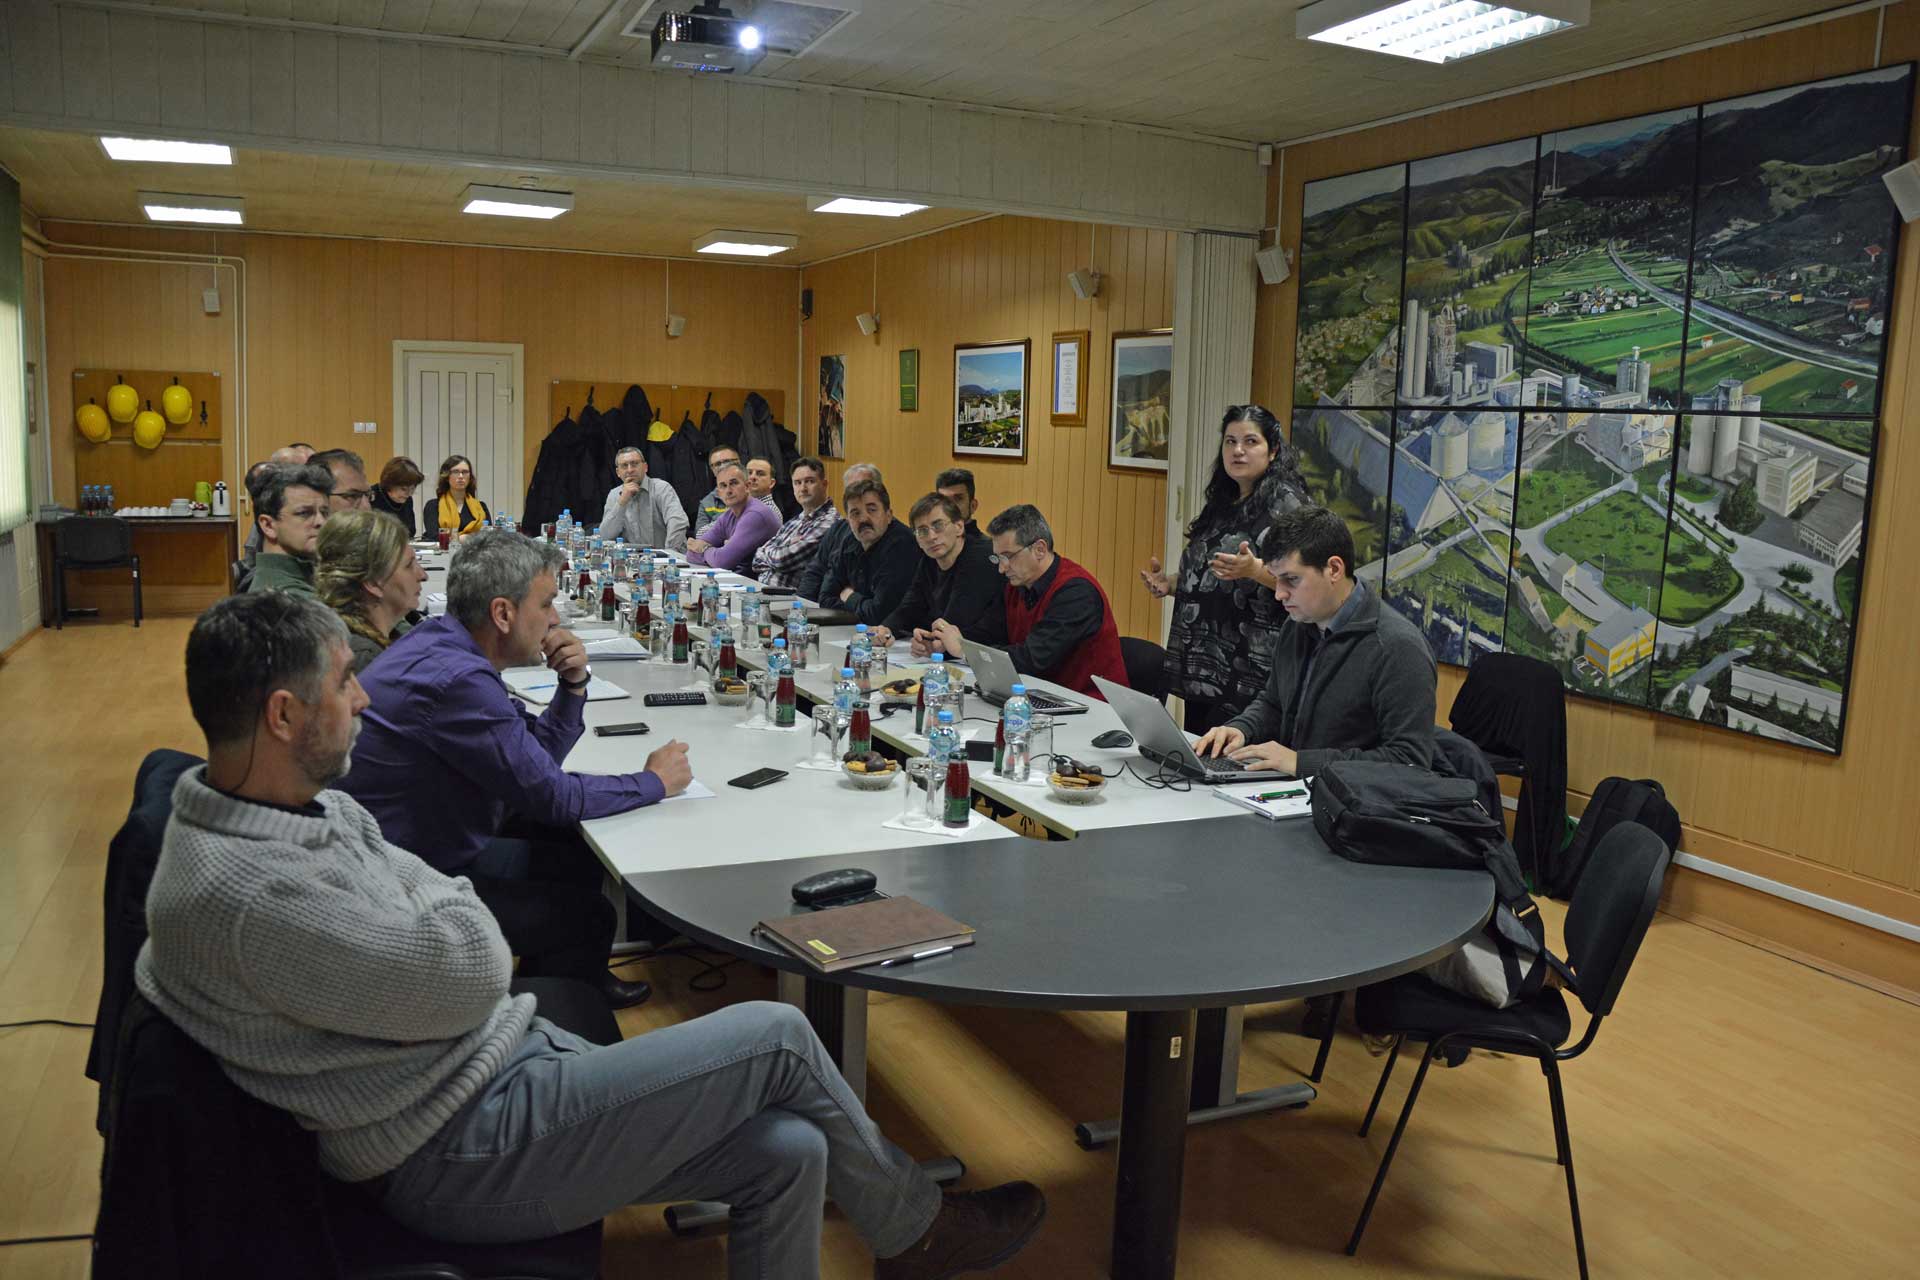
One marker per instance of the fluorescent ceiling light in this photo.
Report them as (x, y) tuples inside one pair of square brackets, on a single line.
[(174, 206), (854, 204), (167, 151), (1435, 30), (514, 202), (747, 244)]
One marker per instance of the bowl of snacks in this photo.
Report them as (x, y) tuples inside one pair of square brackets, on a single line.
[(902, 690), (869, 772), (731, 691), (1075, 783)]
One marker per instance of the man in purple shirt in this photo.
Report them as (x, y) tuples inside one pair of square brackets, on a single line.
[(446, 758), (730, 541)]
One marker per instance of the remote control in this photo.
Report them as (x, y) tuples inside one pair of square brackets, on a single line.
[(686, 698)]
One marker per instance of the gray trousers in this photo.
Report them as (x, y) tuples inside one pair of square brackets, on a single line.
[(742, 1106)]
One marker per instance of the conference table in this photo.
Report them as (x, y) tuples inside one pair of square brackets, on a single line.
[(1178, 929)]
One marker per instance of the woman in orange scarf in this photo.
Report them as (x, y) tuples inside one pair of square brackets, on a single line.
[(458, 510)]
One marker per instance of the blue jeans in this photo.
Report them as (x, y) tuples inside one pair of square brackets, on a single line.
[(742, 1106)]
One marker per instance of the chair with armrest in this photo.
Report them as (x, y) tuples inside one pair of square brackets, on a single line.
[(1146, 664), (1609, 916)]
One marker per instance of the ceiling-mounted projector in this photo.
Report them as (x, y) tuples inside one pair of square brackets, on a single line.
[(706, 38)]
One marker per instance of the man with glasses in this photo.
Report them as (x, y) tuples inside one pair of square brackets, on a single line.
[(1059, 624), (289, 506), (871, 581), (954, 583), (351, 492), (783, 558), (644, 511)]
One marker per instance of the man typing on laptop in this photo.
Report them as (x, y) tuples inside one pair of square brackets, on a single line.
[(1352, 679)]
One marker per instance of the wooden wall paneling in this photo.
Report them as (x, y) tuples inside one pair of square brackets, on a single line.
[(1847, 827)]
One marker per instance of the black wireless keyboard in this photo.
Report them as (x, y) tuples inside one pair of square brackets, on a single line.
[(685, 698)]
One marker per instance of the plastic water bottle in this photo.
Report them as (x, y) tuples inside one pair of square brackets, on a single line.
[(846, 693), (562, 526), (797, 635), (943, 743), (777, 657), (860, 657), (710, 599), (750, 618), (936, 683), (1016, 718)]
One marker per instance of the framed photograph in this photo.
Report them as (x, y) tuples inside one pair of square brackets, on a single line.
[(910, 380), (832, 438), (990, 399), (1142, 399), (1069, 407)]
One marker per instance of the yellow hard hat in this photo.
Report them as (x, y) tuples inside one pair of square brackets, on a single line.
[(92, 421), (177, 403), (149, 428), (122, 401)]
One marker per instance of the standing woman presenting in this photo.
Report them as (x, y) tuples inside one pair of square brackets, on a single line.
[(457, 510), (1220, 647)]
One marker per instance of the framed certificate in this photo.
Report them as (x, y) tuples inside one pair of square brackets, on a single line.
[(910, 380), (1069, 405)]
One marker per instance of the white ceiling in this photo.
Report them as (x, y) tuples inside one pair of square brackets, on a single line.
[(1223, 68), (67, 176)]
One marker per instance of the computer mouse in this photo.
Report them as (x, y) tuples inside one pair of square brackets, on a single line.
[(1113, 739)]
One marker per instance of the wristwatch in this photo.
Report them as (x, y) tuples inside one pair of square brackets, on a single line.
[(578, 686)]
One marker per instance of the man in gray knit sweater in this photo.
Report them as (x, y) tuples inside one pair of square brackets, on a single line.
[(343, 980)]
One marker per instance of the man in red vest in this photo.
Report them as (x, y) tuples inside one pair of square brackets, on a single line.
[(1059, 624)]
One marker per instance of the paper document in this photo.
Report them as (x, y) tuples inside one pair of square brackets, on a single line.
[(614, 649), (696, 790), (1274, 800), (537, 684)]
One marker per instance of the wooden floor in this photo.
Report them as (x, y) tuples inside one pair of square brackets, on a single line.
[(1741, 1115)]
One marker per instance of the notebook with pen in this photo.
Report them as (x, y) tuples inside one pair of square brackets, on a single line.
[(1275, 800), (866, 933), (538, 685)]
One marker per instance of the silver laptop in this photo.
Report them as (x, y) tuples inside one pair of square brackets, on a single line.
[(1161, 741), (994, 676)]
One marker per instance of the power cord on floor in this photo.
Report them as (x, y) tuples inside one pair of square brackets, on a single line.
[(711, 977), (45, 1022)]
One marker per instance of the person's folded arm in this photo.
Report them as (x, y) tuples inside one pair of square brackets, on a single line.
[(429, 967), (515, 757), (675, 517), (753, 527), (978, 604), (1072, 618)]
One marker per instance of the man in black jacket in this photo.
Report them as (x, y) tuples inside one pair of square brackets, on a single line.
[(838, 544), (871, 582), (954, 582), (1351, 680)]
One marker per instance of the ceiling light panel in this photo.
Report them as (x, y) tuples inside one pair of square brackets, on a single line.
[(175, 206), (167, 151), (870, 208), (745, 244), (514, 202), (1437, 31)]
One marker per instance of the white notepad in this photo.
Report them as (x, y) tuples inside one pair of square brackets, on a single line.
[(1296, 802), (614, 649), (537, 684)]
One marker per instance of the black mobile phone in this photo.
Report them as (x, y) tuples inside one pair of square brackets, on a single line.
[(758, 778), (632, 730)]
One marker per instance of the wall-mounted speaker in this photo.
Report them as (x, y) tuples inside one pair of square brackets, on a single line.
[(806, 304), (1272, 262), (869, 323), (676, 325), (1904, 183), (1085, 284)]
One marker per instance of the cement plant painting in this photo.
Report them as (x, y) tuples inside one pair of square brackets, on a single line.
[(1623, 418)]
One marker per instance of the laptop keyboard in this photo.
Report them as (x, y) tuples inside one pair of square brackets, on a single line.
[(1043, 701)]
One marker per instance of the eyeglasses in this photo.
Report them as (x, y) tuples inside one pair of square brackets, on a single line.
[(631, 465), (461, 471), (998, 559), (356, 497), (934, 530)]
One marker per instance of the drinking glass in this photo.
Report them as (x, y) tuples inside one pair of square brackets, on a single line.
[(824, 741), (759, 708), (1040, 745), (913, 809), (660, 639), (699, 664)]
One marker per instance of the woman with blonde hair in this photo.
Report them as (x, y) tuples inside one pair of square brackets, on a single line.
[(458, 510), (368, 574)]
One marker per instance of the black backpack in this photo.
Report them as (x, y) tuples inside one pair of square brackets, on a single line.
[(1615, 800), (1397, 815)]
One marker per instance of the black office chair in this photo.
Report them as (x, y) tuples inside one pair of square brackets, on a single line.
[(238, 577), (1609, 916), (1146, 664), (91, 542)]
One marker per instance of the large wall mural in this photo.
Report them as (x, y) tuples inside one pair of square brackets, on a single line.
[(1609, 397)]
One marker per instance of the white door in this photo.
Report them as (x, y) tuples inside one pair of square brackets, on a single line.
[(452, 402)]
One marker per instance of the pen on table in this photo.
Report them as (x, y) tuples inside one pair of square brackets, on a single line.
[(1293, 794), (918, 955)]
